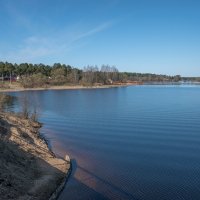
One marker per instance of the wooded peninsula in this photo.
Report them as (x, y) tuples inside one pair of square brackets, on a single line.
[(29, 75)]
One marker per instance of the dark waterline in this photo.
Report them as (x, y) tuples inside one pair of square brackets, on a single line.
[(125, 143)]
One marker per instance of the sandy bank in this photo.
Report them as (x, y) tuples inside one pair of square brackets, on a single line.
[(28, 169), (14, 88)]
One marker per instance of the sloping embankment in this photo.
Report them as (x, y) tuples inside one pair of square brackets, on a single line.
[(28, 169)]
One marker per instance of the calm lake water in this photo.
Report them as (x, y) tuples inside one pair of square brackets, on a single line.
[(138, 142)]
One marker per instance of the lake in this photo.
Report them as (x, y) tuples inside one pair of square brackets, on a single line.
[(140, 142)]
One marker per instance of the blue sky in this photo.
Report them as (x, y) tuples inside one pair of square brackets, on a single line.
[(156, 36)]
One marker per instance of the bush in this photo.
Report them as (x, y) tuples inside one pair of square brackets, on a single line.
[(35, 80)]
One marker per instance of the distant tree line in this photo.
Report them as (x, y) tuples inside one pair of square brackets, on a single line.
[(147, 77), (37, 75), (190, 79)]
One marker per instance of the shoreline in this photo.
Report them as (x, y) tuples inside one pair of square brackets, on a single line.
[(75, 87), (34, 172), (17, 88)]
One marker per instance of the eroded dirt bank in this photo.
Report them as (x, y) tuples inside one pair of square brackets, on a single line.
[(28, 169)]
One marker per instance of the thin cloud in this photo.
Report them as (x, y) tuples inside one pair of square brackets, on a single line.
[(36, 47), (95, 30)]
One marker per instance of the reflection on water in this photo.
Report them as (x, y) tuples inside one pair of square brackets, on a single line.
[(126, 143), (7, 102)]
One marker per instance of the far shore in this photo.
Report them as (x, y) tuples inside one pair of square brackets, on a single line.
[(14, 88), (17, 88)]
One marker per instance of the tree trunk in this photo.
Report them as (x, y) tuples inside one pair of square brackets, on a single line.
[(10, 78)]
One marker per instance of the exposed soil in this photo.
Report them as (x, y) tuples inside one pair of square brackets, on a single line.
[(28, 168)]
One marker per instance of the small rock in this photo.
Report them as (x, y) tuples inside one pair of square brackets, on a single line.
[(67, 158)]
